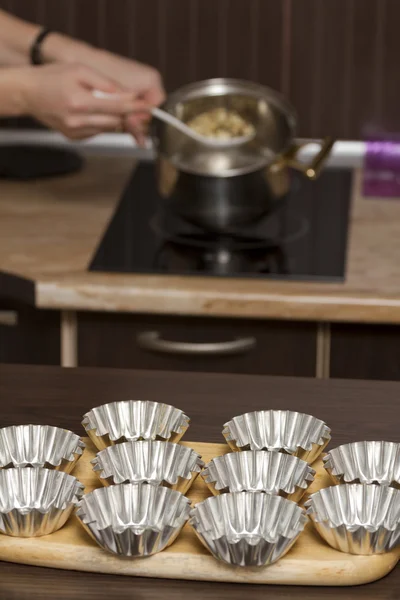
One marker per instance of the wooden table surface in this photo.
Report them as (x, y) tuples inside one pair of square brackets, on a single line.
[(51, 395)]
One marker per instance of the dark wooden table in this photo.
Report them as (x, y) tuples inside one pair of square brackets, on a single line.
[(55, 396)]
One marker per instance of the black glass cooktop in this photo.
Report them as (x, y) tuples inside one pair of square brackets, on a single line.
[(306, 239)]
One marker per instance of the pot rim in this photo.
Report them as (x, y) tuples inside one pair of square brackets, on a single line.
[(220, 86)]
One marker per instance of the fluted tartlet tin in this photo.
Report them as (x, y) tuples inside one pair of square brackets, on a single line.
[(36, 501), (357, 518), (39, 446), (153, 462), (365, 462), (133, 519), (248, 529), (295, 433), (259, 471), (133, 420)]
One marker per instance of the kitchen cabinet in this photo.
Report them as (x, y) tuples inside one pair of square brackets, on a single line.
[(233, 345), (28, 335), (365, 351)]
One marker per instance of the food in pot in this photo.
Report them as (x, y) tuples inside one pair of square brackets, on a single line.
[(221, 123)]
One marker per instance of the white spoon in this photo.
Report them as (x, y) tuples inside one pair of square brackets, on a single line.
[(202, 139), (158, 113)]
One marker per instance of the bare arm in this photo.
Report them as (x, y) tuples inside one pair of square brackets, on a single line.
[(16, 37), (50, 93), (124, 75), (12, 102)]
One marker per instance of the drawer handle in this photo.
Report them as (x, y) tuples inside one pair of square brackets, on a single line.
[(8, 317), (152, 340)]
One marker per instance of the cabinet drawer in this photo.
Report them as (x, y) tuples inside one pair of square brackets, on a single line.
[(29, 336), (365, 351), (196, 344)]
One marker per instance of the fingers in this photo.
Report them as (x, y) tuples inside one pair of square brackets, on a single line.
[(140, 116), (91, 79), (101, 121), (100, 95), (155, 94), (136, 124), (81, 126), (114, 104), (98, 104), (140, 138), (138, 132), (105, 114), (142, 107), (122, 103), (81, 134)]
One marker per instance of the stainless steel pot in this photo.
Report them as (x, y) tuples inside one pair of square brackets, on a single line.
[(223, 190)]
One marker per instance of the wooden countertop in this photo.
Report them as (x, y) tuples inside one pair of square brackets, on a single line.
[(50, 229), (355, 410)]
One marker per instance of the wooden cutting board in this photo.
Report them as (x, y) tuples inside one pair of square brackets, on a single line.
[(309, 562)]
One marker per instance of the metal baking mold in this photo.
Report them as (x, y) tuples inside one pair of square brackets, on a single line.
[(133, 420), (259, 471), (39, 446), (153, 462), (365, 462), (134, 519), (357, 518), (248, 529), (295, 433), (36, 501)]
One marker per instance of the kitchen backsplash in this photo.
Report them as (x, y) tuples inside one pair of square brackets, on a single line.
[(337, 60)]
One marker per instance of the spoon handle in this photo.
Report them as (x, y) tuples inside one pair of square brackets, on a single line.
[(171, 120)]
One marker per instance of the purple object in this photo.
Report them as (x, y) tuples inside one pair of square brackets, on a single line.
[(382, 169)]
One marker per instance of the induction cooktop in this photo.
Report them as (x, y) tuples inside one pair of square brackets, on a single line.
[(306, 239)]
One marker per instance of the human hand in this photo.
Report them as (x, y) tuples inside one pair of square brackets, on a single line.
[(61, 96), (142, 80)]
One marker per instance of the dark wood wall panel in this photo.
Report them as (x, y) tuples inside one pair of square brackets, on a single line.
[(27, 9), (302, 61), (88, 18), (205, 40), (237, 53), (60, 15), (145, 46), (337, 60), (388, 71), (271, 43), (363, 110), (330, 59), (120, 21), (176, 59)]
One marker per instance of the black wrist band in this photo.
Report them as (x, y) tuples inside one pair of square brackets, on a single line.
[(35, 53)]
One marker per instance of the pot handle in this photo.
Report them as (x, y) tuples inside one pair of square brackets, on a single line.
[(312, 169)]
